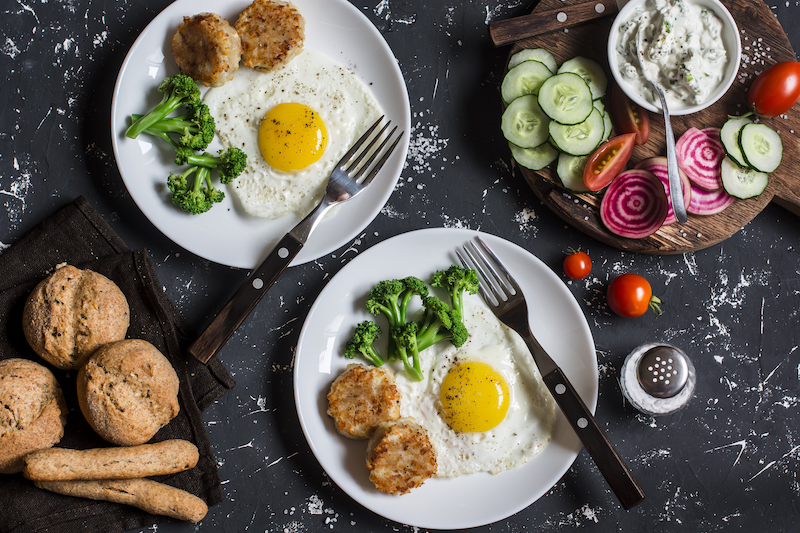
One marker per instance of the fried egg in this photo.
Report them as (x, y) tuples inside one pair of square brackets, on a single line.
[(294, 124), (484, 404)]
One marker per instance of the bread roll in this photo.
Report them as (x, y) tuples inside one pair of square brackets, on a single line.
[(72, 312), (32, 411), (127, 391)]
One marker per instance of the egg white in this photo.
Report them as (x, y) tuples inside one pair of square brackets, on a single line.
[(343, 101), (528, 425)]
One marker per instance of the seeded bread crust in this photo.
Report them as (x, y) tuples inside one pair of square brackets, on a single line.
[(207, 48), (150, 496), (33, 412), (72, 312), (127, 391), (118, 462), (272, 33)]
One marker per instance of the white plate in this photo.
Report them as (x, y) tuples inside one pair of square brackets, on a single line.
[(226, 234), (466, 501)]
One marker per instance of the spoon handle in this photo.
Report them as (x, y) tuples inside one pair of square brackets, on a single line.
[(675, 185)]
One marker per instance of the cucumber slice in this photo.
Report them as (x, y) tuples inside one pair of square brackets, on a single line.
[(570, 172), (607, 126), (590, 71), (742, 182), (729, 135), (525, 78), (537, 54), (578, 139), (599, 105), (761, 146), (566, 98), (534, 158), (524, 123)]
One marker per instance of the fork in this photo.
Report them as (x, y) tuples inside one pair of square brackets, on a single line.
[(350, 176), (505, 298)]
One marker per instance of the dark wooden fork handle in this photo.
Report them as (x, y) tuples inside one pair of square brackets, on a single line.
[(608, 461), (245, 299)]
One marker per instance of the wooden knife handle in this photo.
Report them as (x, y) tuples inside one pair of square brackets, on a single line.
[(245, 299), (508, 31), (608, 461)]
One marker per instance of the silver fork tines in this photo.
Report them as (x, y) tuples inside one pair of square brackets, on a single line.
[(505, 298)]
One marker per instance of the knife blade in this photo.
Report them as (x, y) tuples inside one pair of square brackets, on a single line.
[(514, 29)]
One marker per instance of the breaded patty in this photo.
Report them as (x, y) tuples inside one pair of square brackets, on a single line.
[(400, 457), (272, 33), (207, 48), (361, 398)]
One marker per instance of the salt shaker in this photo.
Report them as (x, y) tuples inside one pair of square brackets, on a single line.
[(658, 379)]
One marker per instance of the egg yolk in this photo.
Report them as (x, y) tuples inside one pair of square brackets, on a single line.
[(292, 136), (474, 397)]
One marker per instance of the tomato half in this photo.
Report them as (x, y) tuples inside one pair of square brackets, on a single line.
[(608, 161), (775, 90), (629, 117), (577, 264), (630, 295)]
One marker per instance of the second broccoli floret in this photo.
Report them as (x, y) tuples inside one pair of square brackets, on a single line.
[(179, 90), (200, 196), (440, 323), (196, 127), (229, 163), (456, 281), (362, 343)]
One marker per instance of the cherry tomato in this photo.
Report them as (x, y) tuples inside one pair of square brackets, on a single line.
[(776, 89), (577, 264), (608, 161), (630, 295), (629, 117)]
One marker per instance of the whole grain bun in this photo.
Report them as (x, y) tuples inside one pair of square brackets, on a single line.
[(72, 312), (127, 391), (32, 411)]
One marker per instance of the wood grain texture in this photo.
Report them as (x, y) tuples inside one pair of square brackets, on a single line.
[(764, 43)]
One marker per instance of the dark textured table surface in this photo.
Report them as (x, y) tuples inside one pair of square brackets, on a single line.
[(728, 462)]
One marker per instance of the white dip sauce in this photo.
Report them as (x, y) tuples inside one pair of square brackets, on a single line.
[(682, 50)]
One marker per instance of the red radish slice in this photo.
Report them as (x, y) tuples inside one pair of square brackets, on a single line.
[(705, 202), (634, 205), (700, 156), (658, 166)]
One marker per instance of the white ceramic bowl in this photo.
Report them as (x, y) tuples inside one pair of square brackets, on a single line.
[(733, 48)]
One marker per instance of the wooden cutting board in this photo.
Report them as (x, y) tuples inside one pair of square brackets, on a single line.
[(764, 43)]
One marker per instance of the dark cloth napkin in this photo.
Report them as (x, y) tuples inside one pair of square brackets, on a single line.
[(77, 235)]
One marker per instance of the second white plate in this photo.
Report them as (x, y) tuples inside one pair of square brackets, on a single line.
[(466, 501), (226, 234)]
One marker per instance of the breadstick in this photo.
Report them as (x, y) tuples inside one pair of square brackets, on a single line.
[(150, 496), (62, 464)]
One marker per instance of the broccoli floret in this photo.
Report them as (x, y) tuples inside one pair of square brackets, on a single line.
[(405, 340), (440, 323), (456, 281), (179, 90), (200, 196), (229, 163), (391, 297), (196, 128), (362, 343)]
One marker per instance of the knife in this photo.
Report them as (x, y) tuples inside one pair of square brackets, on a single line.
[(507, 31)]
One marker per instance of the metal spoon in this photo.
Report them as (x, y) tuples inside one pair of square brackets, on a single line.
[(675, 185)]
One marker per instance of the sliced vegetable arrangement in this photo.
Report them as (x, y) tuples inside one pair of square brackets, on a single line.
[(554, 112), (557, 113)]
